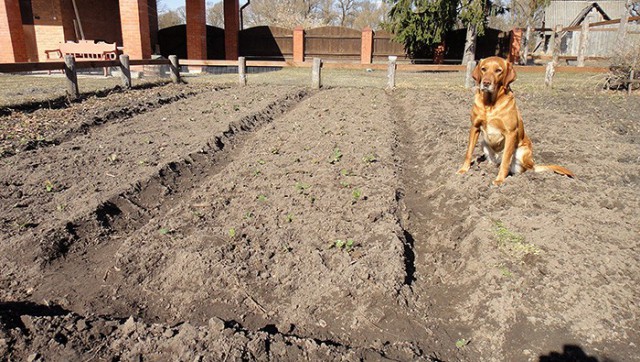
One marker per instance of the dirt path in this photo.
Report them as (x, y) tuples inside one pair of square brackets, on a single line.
[(279, 223)]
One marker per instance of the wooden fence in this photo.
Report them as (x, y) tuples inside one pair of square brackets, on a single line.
[(588, 41)]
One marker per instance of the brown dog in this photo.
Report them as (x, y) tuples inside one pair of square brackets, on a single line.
[(496, 116)]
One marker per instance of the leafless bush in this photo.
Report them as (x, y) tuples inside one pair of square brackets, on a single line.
[(625, 61)]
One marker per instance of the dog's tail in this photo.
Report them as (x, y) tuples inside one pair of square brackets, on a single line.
[(555, 168)]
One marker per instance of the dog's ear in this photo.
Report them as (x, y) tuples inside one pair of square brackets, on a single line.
[(510, 75), (477, 74)]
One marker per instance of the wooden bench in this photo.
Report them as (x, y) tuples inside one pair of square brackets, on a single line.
[(85, 49)]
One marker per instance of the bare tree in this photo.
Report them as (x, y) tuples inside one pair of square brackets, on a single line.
[(215, 14), (371, 14), (168, 18), (284, 13), (347, 10)]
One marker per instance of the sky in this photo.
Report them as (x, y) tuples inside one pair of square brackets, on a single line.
[(172, 4)]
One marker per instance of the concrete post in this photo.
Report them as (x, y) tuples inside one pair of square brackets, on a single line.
[(316, 76), (391, 72), (242, 71)]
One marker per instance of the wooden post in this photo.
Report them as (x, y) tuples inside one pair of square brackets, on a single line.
[(525, 45), (624, 20), (72, 77), (316, 76), (557, 44), (175, 69), (469, 82), (242, 71), (549, 73), (125, 71), (552, 42), (582, 48), (391, 72), (632, 74)]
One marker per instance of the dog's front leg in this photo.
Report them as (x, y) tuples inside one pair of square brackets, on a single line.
[(510, 141), (473, 139)]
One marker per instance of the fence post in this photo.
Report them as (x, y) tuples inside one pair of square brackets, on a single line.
[(549, 73), (316, 76), (582, 47), (557, 43), (391, 72), (632, 74), (525, 45), (242, 71), (175, 69), (624, 20), (469, 82), (72, 77), (552, 42), (125, 71)]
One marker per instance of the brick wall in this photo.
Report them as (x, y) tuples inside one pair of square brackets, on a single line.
[(134, 17), (43, 30), (11, 33)]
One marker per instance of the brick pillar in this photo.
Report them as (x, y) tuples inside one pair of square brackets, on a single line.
[(231, 29), (12, 41), (298, 44), (366, 50), (196, 32), (514, 48), (134, 20)]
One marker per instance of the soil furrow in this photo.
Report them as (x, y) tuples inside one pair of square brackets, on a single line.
[(115, 218)]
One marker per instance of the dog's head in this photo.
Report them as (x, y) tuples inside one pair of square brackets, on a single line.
[(492, 73)]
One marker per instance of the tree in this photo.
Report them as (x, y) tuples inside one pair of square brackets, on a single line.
[(167, 18), (215, 14), (421, 24)]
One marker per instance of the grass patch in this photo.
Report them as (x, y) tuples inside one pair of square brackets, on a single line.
[(513, 244)]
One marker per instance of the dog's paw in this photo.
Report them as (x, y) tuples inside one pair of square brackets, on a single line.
[(497, 182), (462, 170)]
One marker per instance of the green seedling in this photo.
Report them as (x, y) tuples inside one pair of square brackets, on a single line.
[(345, 184), (164, 231), (232, 232), (248, 215), (512, 243), (336, 156), (275, 151), (461, 343), (302, 187), (61, 207), (356, 194), (112, 158), (48, 185), (262, 198), (236, 107), (344, 244), (289, 218), (261, 162), (256, 172), (505, 271), (370, 158)]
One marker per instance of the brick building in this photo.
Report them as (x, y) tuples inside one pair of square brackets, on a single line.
[(29, 27)]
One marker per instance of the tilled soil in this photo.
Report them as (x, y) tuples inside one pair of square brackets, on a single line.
[(280, 223)]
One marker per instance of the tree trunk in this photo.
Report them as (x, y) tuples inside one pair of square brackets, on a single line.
[(470, 45)]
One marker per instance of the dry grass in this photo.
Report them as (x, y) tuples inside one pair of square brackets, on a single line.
[(17, 89)]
